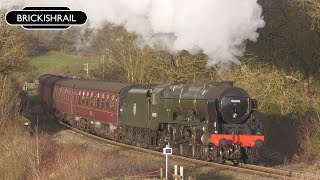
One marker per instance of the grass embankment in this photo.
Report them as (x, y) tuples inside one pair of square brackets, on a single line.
[(59, 64), (21, 159)]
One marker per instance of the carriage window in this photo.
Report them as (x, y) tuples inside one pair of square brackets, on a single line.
[(91, 101), (111, 105), (83, 100), (75, 98), (87, 101), (107, 104), (102, 103), (79, 99), (98, 103)]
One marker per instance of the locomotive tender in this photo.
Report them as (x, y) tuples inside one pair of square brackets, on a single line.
[(214, 121)]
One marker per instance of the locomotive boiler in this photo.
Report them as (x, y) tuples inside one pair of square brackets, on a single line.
[(213, 121)]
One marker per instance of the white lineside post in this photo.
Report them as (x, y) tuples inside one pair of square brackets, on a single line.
[(175, 171), (161, 173), (181, 172), (167, 150), (37, 143), (87, 68), (166, 166), (176, 175), (102, 67)]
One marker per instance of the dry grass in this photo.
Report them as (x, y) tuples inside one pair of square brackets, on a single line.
[(17, 151), (60, 161), (310, 140), (77, 162), (9, 99)]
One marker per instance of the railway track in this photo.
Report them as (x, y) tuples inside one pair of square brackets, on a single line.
[(247, 168)]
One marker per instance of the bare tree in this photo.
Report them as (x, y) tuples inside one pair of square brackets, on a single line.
[(120, 58), (287, 40), (313, 7)]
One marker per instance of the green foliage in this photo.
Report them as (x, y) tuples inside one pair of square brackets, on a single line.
[(59, 64)]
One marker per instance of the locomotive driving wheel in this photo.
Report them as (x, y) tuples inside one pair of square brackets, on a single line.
[(143, 138), (186, 146), (252, 156), (215, 154), (201, 152), (120, 136)]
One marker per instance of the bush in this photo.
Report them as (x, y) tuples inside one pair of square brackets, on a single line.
[(289, 107)]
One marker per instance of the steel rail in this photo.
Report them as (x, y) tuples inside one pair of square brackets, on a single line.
[(248, 168)]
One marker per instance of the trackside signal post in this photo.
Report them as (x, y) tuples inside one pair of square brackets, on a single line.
[(86, 68), (167, 151)]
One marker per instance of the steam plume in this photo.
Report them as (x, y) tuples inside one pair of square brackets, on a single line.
[(218, 27)]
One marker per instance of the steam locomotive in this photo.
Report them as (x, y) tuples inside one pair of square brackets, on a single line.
[(212, 121)]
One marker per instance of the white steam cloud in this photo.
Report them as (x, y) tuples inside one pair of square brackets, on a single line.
[(218, 27)]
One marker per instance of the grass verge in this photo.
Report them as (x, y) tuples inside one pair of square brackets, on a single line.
[(49, 61)]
